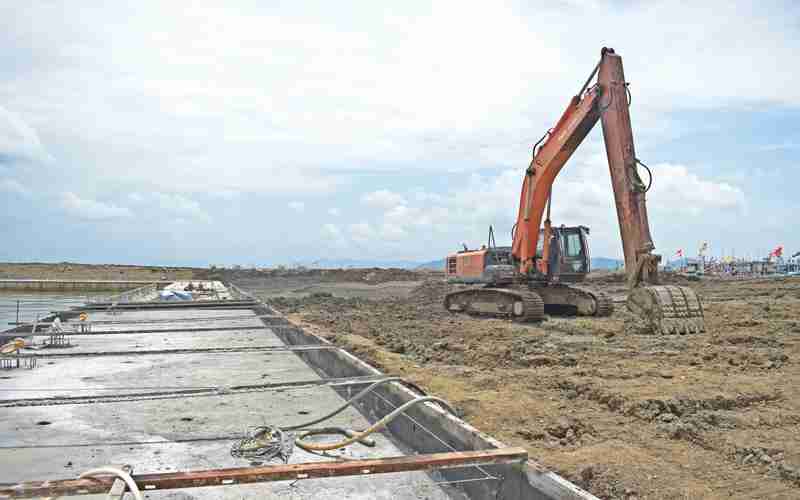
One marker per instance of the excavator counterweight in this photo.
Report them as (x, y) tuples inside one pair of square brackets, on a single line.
[(538, 272)]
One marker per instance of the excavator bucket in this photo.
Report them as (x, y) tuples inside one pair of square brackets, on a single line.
[(667, 309)]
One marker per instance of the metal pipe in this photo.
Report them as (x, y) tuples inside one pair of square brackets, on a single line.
[(221, 477)]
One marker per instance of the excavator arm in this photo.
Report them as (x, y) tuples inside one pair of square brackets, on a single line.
[(629, 191)]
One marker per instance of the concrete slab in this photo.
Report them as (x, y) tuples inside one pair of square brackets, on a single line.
[(168, 320), (167, 314), (59, 441), (160, 341), (97, 427), (84, 376)]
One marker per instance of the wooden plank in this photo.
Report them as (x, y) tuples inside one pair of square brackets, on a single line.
[(243, 475)]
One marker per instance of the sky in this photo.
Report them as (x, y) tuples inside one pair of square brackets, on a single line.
[(266, 133)]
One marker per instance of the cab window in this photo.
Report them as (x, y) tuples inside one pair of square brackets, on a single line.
[(573, 245)]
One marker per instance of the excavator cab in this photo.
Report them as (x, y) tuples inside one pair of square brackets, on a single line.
[(569, 259)]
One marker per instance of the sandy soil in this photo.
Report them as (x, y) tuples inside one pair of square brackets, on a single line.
[(712, 415)]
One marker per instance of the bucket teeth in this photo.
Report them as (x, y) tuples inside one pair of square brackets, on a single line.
[(670, 310)]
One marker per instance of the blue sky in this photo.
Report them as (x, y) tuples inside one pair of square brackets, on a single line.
[(262, 133)]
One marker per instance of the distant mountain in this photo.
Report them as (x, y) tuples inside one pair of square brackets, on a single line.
[(434, 264), (606, 263), (438, 265), (597, 263), (357, 263)]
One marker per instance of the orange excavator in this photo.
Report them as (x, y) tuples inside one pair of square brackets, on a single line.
[(540, 270)]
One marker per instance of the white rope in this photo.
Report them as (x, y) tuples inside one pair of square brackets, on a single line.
[(134, 489)]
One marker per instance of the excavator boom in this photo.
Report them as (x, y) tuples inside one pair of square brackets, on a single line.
[(576, 122)]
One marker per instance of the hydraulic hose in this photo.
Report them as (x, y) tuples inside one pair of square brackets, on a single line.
[(266, 441), (350, 402), (380, 424)]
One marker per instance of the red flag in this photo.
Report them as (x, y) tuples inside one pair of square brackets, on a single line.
[(777, 252), (679, 253)]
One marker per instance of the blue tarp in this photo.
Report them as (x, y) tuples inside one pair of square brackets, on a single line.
[(174, 295)]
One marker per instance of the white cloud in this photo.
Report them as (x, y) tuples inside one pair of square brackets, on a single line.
[(390, 83), (181, 206), (85, 208), (12, 186), (383, 198), (225, 194), (297, 206), (360, 232), (677, 189), (331, 230), (334, 212), (393, 232), (582, 195), (18, 140), (334, 237)]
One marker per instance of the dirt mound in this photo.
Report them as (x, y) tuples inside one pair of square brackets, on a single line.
[(431, 291), (321, 300), (372, 276), (606, 277), (619, 277)]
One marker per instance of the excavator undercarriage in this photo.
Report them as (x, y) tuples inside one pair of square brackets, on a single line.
[(514, 303), (529, 303)]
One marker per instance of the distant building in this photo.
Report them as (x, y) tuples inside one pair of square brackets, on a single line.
[(694, 267)]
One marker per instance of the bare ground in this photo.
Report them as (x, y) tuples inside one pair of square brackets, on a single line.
[(73, 271), (712, 415)]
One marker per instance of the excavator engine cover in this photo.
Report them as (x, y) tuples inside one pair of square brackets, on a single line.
[(667, 309)]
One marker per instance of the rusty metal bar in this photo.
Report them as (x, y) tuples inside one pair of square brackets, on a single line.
[(101, 306), (312, 470)]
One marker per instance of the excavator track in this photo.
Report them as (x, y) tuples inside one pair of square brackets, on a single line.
[(605, 306), (668, 309), (520, 305), (573, 300)]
